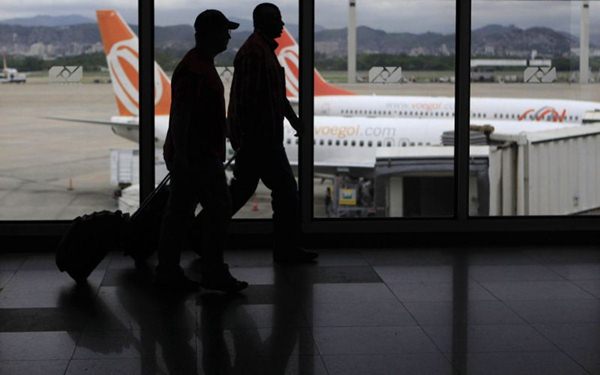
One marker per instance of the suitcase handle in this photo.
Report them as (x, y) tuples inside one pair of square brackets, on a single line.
[(149, 198)]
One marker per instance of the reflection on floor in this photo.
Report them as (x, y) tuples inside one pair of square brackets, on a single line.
[(534, 311)]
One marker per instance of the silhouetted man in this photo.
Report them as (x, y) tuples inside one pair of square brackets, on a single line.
[(257, 107), (194, 151)]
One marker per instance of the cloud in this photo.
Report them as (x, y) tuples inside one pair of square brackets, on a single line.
[(415, 16)]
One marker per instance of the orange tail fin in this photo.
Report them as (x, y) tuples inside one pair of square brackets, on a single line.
[(287, 53), (122, 57)]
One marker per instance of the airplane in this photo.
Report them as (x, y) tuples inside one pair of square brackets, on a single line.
[(340, 142), (11, 75), (331, 100)]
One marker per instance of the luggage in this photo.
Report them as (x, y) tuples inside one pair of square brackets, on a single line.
[(87, 242), (91, 237), (144, 225)]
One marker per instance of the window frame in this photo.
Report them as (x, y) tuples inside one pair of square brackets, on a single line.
[(459, 222)]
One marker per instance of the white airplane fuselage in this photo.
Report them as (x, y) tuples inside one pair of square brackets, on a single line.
[(490, 109), (353, 141)]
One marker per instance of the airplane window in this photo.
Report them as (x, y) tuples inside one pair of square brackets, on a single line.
[(329, 142), (485, 115), (389, 144), (370, 144), (321, 142), (345, 143), (337, 142), (411, 113), (420, 143), (495, 115), (353, 143), (576, 118), (378, 143), (289, 141), (403, 144), (412, 143), (428, 144), (361, 143), (501, 115)]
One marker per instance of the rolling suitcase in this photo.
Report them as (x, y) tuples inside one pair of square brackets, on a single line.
[(90, 237), (144, 225), (88, 240)]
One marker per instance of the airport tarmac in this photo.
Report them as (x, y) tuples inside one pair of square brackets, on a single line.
[(57, 170)]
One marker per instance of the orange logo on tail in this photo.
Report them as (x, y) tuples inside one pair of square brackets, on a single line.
[(122, 56), (288, 55)]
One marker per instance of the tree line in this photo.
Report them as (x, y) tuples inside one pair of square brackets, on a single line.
[(168, 59)]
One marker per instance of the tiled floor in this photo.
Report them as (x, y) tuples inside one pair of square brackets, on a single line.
[(531, 311)]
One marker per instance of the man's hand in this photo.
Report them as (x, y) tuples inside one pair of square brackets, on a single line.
[(297, 125)]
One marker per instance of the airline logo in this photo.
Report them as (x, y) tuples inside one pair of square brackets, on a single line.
[(288, 55), (122, 56), (544, 114)]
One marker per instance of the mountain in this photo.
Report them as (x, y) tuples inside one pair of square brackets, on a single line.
[(51, 21), (492, 40), (498, 40), (369, 40)]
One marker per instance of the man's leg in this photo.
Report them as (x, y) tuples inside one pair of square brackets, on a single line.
[(279, 177), (177, 218), (242, 186), (216, 202)]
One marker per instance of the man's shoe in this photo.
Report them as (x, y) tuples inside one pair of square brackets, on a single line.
[(294, 256), (217, 277), (175, 279)]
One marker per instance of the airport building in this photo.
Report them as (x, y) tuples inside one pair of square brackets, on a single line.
[(447, 168)]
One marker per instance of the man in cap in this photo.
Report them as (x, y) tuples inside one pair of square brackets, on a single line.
[(194, 151), (257, 107)]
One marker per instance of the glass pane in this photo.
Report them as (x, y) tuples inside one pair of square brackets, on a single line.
[(534, 84), (175, 36), (69, 81), (384, 129)]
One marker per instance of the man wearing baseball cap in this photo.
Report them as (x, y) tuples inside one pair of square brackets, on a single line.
[(194, 151)]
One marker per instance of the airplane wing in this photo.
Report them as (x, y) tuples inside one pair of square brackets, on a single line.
[(95, 122)]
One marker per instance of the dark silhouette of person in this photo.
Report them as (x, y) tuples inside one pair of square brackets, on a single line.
[(328, 202), (194, 152), (257, 107)]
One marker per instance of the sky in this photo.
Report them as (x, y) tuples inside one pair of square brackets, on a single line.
[(415, 16)]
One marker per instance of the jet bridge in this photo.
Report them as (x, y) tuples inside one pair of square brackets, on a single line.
[(551, 172)]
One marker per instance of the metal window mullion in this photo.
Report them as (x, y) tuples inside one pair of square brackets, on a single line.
[(146, 96), (462, 109), (306, 156)]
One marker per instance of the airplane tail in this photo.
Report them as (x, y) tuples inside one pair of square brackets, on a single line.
[(288, 54), (122, 56)]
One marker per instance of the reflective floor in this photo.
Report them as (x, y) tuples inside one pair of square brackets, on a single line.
[(529, 311)]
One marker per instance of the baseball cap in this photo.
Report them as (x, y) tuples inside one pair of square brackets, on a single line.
[(213, 18)]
